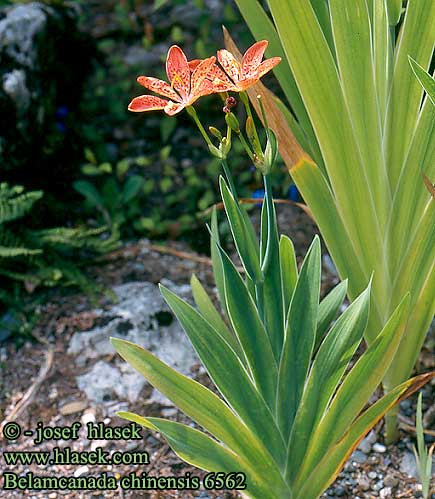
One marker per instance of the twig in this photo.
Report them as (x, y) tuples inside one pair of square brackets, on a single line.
[(408, 424), (181, 254), (32, 390)]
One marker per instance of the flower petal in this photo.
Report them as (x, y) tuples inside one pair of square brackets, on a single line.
[(193, 64), (147, 103), (230, 64), (158, 86), (252, 58), (177, 69), (267, 65), (220, 80), (172, 108), (200, 74)]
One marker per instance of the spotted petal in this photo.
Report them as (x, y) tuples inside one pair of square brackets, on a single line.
[(147, 103), (173, 108), (158, 86), (220, 80), (199, 75), (267, 65), (193, 64), (252, 58), (230, 64), (177, 69)]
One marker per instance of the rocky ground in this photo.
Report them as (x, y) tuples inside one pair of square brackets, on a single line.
[(85, 381)]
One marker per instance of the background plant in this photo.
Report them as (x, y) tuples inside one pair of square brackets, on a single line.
[(423, 455), (31, 257), (366, 135)]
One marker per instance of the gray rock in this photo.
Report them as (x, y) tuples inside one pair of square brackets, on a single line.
[(142, 317), (358, 456), (38, 75), (371, 437), (104, 382), (365, 446), (18, 32), (378, 485), (408, 465)]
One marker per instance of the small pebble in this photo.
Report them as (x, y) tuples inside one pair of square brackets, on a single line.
[(371, 437), (378, 485), (358, 457), (81, 471), (372, 475), (364, 483), (340, 491), (391, 481), (377, 447), (88, 417), (365, 446), (385, 492)]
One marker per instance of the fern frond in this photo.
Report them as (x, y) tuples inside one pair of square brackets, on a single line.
[(8, 252), (14, 205)]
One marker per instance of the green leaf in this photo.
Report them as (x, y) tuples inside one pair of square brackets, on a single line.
[(201, 451), (329, 464), (299, 339), (271, 270), (209, 312), (216, 261), (416, 39), (250, 331), (289, 270), (353, 41), (224, 366), (425, 79), (132, 187), (199, 403), (356, 389), (88, 190), (328, 310), (248, 252), (394, 11), (326, 373)]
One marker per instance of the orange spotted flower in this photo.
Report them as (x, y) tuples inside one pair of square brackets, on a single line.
[(251, 69), (187, 84)]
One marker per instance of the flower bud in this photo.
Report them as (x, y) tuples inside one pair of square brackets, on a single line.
[(230, 102), (270, 152), (252, 137), (232, 122), (214, 131), (225, 146), (216, 152)]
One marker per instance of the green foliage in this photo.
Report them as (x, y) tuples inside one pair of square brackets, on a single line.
[(360, 114), (292, 406), (32, 257), (150, 195)]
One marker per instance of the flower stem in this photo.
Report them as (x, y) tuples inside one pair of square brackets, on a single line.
[(191, 111), (245, 145), (230, 181)]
